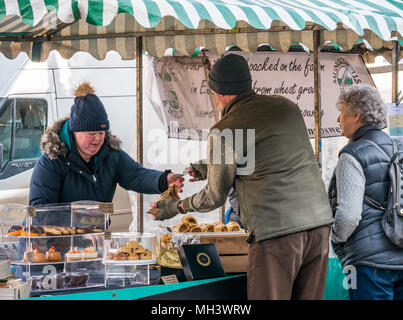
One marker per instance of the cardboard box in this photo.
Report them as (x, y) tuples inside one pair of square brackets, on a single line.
[(232, 248)]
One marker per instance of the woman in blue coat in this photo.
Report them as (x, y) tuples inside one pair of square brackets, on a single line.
[(82, 159)]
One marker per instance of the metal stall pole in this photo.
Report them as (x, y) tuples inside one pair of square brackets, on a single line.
[(317, 100), (139, 98), (395, 71)]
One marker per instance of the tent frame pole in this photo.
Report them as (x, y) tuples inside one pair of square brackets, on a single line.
[(317, 97), (395, 71), (139, 118)]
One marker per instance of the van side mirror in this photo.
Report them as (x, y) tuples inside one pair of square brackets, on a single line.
[(1, 156)]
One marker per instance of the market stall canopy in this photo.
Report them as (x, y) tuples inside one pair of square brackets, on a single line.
[(39, 26)]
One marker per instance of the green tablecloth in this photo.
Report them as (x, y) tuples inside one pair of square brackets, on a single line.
[(334, 289)]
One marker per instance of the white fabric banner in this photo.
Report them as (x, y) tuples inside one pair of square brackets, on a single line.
[(186, 101), (186, 106)]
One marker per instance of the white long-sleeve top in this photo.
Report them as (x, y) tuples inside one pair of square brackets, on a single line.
[(350, 183)]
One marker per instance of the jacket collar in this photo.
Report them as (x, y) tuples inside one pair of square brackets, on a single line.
[(239, 98), (363, 130)]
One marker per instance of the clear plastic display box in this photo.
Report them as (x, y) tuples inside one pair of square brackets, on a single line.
[(60, 246), (128, 257)]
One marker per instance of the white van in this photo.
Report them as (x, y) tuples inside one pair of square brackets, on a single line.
[(33, 95)]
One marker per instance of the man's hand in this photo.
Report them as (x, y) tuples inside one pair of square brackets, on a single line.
[(177, 179), (197, 171), (167, 209)]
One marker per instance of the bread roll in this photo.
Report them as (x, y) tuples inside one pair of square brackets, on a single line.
[(220, 227), (233, 226), (181, 227), (189, 220), (195, 228), (206, 227)]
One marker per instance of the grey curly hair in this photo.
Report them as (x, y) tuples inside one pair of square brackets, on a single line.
[(366, 100)]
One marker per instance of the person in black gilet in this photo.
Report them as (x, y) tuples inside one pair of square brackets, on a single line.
[(373, 264)]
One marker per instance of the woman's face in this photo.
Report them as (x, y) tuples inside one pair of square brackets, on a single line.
[(89, 142), (349, 123)]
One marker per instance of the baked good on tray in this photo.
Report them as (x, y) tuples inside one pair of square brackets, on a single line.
[(14, 230), (52, 255), (89, 253), (233, 226), (195, 228), (74, 255), (180, 228), (220, 227), (207, 227), (189, 220), (33, 231), (37, 256)]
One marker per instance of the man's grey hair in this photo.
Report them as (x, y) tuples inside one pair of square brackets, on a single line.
[(365, 99)]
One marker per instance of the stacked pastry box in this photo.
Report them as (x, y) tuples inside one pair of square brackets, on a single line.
[(65, 256), (129, 257), (229, 239)]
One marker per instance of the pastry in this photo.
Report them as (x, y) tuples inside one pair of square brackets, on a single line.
[(110, 255), (79, 230), (96, 229), (63, 230), (51, 231), (166, 237), (38, 257), (170, 194), (180, 228), (71, 230), (220, 227), (189, 220), (207, 227), (34, 232), (140, 249), (166, 241), (233, 226), (146, 255), (74, 255), (132, 244), (90, 253), (14, 230), (133, 256), (195, 228), (52, 255), (124, 249), (121, 256)]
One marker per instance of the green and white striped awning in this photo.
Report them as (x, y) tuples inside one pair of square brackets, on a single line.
[(39, 26)]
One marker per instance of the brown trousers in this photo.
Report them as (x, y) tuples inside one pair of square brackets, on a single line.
[(289, 267)]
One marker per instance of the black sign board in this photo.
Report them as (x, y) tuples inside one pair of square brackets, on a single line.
[(200, 261)]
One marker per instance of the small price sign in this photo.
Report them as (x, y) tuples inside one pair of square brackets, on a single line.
[(169, 279)]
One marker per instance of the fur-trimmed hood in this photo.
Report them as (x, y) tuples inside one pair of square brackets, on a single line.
[(53, 144)]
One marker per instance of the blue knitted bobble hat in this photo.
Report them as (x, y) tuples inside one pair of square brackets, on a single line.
[(87, 113)]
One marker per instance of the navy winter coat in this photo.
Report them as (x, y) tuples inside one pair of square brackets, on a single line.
[(61, 176)]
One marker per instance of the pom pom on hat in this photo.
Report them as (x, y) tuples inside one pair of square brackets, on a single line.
[(87, 113), (84, 89)]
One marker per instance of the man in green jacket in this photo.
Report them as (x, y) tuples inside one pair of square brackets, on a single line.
[(261, 147)]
